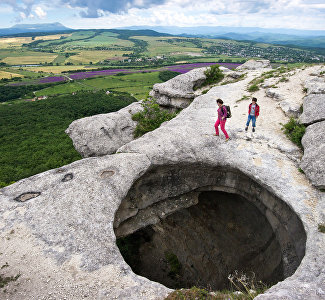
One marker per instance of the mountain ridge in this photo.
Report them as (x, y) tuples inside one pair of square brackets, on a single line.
[(281, 36), (26, 28)]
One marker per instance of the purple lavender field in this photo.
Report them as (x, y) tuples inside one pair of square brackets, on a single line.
[(52, 79), (177, 68)]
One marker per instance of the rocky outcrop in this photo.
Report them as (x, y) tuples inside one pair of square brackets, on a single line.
[(315, 85), (313, 161), (273, 93), (178, 92), (105, 133), (313, 109), (290, 109), (57, 227), (254, 65)]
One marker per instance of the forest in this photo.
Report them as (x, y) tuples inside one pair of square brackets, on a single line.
[(32, 133)]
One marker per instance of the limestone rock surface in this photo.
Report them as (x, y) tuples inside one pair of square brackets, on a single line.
[(105, 133), (315, 85), (313, 109), (255, 65), (58, 228), (290, 109), (313, 161), (273, 93), (178, 92)]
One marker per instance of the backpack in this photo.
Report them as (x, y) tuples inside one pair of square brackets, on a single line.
[(228, 111)]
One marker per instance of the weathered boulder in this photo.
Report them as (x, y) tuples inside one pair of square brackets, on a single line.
[(313, 161), (319, 72), (291, 109), (313, 109), (105, 133), (273, 93), (315, 85), (234, 74), (269, 82), (179, 91), (254, 65)]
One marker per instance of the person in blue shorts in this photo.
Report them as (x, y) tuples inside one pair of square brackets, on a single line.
[(253, 113)]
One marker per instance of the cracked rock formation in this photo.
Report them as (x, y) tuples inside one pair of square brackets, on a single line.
[(105, 133), (313, 161), (313, 109), (59, 228), (255, 65), (179, 92)]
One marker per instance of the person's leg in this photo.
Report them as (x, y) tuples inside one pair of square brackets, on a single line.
[(248, 120), (254, 121), (216, 126), (222, 126)]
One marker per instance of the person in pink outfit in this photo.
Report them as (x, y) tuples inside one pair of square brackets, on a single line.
[(222, 118)]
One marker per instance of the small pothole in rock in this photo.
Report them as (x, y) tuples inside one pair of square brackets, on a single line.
[(67, 177), (27, 196)]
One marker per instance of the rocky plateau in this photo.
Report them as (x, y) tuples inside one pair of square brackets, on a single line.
[(59, 229)]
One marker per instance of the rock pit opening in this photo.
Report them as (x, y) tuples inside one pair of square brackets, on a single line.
[(193, 225)]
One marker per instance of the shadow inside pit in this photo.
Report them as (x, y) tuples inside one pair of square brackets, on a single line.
[(203, 244)]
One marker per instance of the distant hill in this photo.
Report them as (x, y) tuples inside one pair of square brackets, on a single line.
[(26, 28), (282, 36)]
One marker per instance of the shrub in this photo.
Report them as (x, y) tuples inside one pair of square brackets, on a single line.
[(321, 228), (174, 265), (213, 75), (243, 287), (294, 131), (284, 79), (4, 280), (150, 118), (244, 97), (253, 88), (166, 75)]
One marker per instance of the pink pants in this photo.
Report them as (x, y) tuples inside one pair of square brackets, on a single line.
[(222, 126)]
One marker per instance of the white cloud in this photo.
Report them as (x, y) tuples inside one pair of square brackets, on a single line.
[(308, 14), (40, 12), (22, 15)]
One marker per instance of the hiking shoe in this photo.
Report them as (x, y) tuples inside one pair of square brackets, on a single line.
[(253, 130), (246, 128), (227, 139)]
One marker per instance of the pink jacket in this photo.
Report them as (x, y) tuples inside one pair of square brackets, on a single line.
[(222, 112)]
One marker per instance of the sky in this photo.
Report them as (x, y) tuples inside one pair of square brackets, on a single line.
[(83, 14)]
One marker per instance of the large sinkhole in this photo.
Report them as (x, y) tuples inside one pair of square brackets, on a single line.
[(192, 225)]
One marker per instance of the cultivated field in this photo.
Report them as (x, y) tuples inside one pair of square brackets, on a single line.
[(85, 57), (4, 74), (166, 45), (36, 58), (138, 85), (55, 69), (15, 42)]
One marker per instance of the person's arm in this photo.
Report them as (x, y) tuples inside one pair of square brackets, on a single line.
[(257, 111)]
